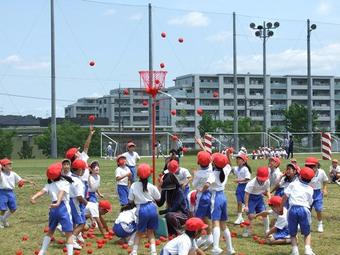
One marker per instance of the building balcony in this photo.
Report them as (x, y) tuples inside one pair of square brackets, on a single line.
[(278, 85), (278, 107), (277, 118), (337, 96), (278, 96), (324, 118)]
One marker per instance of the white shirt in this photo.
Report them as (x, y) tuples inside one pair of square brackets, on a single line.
[(281, 221), (138, 196), (335, 170), (8, 181), (85, 157), (127, 217), (52, 189), (77, 187), (217, 185), (253, 187), (318, 180), (299, 194), (182, 175), (284, 184), (274, 176), (131, 158), (180, 245), (121, 172), (95, 183), (202, 177), (242, 173), (92, 210)]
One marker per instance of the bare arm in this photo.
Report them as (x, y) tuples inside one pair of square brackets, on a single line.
[(99, 193), (275, 188), (246, 201), (103, 221), (60, 197), (82, 200), (271, 231), (100, 225), (284, 200), (263, 214), (199, 142), (37, 195), (88, 140), (324, 190)]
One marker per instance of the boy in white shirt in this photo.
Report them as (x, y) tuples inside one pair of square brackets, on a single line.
[(274, 171), (132, 158), (334, 171), (123, 174), (95, 212)]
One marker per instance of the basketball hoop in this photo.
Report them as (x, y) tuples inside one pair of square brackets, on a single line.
[(153, 81)]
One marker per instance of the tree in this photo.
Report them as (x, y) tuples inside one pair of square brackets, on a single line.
[(6, 143), (208, 125), (183, 121), (68, 135), (337, 124), (297, 118), (26, 151)]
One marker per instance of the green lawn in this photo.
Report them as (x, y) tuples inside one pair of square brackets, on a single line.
[(31, 219)]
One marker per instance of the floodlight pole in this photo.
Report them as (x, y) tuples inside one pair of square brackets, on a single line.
[(54, 150), (235, 122)]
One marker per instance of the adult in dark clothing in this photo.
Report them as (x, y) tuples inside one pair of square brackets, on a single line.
[(290, 147), (176, 212)]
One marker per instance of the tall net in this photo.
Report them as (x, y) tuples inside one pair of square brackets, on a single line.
[(153, 81)]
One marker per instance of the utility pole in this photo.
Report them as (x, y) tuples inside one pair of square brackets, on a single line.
[(119, 109), (150, 73), (54, 150), (309, 87), (236, 143)]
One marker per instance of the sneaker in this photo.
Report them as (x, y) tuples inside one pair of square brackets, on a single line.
[(207, 243), (80, 238), (216, 251), (337, 182), (309, 252), (238, 221), (76, 246), (231, 252), (133, 252), (295, 252), (320, 227), (5, 223), (245, 234)]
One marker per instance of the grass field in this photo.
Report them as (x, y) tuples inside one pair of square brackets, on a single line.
[(31, 219)]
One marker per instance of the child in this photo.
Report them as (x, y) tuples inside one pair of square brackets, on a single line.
[(275, 173), (58, 188), (289, 176), (125, 225), (219, 215), (95, 212), (123, 174), (8, 180), (279, 233), (78, 201), (192, 197), (131, 159), (143, 194), (253, 199), (66, 167), (300, 197), (202, 179), (183, 244), (319, 185), (334, 171), (242, 172), (94, 183)]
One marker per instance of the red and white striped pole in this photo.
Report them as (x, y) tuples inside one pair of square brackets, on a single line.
[(208, 142), (326, 145)]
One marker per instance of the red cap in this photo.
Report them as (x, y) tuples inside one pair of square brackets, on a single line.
[(105, 204), (203, 158), (71, 152), (276, 160), (335, 160), (5, 161), (219, 160), (130, 144), (307, 173), (195, 224), (262, 173), (193, 196), (275, 201), (78, 164), (144, 171), (54, 171), (242, 156), (311, 161), (173, 166)]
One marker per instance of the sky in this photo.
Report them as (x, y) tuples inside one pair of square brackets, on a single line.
[(114, 34)]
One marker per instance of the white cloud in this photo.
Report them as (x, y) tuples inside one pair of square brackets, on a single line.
[(136, 17), (17, 62), (291, 61), (221, 36), (324, 8), (109, 12), (191, 19)]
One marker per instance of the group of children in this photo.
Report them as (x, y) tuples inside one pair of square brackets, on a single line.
[(73, 187)]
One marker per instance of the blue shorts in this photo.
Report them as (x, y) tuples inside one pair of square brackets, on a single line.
[(123, 194), (219, 206), (279, 192), (60, 215), (186, 192), (299, 215), (317, 200), (162, 252), (92, 197), (281, 234), (133, 173), (78, 217), (203, 207), (240, 192), (256, 204), (7, 200), (123, 230), (147, 217)]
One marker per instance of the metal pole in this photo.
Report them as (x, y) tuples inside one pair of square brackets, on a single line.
[(236, 143), (119, 110), (264, 82), (150, 70), (309, 89), (54, 150), (153, 140)]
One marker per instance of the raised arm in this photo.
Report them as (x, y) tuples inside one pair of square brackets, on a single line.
[(88, 140), (37, 195)]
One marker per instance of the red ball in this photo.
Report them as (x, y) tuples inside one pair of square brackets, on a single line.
[(64, 249), (200, 111), (76, 252), (173, 112), (61, 241), (25, 238), (125, 246), (36, 252), (147, 245), (100, 246), (180, 40), (19, 252), (126, 92), (174, 137), (171, 237), (158, 242), (255, 238), (46, 229), (145, 103), (157, 81), (88, 244), (162, 65), (92, 118), (162, 238), (111, 233), (215, 94), (89, 251), (163, 34), (21, 183), (92, 63), (185, 149)]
